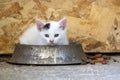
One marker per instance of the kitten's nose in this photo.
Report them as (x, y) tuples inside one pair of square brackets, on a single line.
[(52, 41)]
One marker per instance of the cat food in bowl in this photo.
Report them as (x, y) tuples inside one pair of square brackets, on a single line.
[(48, 55)]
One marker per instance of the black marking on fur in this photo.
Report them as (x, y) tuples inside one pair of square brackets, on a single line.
[(46, 26)]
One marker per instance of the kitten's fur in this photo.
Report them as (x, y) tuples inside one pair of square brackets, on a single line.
[(51, 33)]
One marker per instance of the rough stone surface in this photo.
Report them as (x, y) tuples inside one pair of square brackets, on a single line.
[(110, 71), (94, 23)]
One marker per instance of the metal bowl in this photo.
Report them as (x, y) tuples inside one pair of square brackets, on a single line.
[(48, 55)]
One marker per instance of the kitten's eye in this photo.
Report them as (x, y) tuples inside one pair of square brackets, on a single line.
[(56, 35), (46, 35)]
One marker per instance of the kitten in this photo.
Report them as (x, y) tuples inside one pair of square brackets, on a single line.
[(50, 33)]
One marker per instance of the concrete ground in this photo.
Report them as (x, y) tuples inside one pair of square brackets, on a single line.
[(110, 71)]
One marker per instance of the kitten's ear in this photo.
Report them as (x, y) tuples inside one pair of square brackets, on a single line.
[(39, 24), (63, 23)]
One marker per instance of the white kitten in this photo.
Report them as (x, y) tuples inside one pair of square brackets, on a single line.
[(50, 33)]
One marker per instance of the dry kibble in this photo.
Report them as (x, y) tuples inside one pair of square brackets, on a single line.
[(104, 62), (105, 57), (92, 62), (98, 61), (91, 57), (99, 58), (88, 56), (98, 55)]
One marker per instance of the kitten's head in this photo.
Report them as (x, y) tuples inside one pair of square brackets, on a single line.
[(52, 31)]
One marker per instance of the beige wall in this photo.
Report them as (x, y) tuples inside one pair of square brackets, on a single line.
[(94, 23)]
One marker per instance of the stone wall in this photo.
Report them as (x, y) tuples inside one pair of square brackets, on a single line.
[(93, 23)]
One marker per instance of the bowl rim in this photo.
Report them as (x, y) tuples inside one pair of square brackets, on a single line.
[(71, 44)]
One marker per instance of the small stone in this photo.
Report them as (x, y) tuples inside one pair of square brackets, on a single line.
[(84, 59), (88, 60), (1, 60), (83, 63), (114, 60)]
